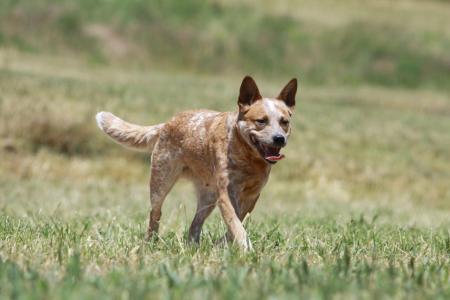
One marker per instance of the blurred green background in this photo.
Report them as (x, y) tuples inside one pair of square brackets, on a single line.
[(390, 43), (360, 207)]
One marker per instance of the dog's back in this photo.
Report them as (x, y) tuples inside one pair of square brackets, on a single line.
[(191, 132)]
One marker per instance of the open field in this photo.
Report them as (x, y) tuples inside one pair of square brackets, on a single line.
[(360, 207)]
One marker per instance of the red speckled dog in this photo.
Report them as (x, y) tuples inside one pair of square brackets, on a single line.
[(227, 155)]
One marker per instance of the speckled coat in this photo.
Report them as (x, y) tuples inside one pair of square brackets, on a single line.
[(227, 155)]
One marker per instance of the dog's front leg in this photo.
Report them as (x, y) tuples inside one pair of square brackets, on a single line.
[(236, 230)]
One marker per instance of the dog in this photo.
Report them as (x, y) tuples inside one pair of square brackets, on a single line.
[(227, 155)]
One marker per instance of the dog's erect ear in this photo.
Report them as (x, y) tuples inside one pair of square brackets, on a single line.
[(287, 94), (248, 93)]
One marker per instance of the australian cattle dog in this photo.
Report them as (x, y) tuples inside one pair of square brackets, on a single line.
[(227, 155)]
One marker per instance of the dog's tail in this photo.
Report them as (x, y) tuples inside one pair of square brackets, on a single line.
[(141, 138)]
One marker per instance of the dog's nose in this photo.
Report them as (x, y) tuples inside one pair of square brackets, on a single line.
[(279, 140)]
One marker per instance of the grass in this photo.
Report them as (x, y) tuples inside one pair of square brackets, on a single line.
[(314, 258), (358, 209)]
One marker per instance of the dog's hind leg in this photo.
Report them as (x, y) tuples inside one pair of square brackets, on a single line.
[(206, 203), (165, 170)]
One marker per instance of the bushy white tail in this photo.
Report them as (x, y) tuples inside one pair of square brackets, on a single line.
[(142, 138)]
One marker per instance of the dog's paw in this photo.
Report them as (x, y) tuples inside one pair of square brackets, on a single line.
[(244, 244), (249, 246)]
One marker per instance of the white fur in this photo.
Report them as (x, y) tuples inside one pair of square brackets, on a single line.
[(271, 109), (198, 122), (199, 118), (99, 117)]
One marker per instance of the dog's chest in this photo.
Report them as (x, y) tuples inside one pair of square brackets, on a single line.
[(250, 186)]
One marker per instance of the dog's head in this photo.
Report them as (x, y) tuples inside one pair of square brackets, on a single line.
[(264, 123)]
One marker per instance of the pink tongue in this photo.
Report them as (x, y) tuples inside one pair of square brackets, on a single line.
[(275, 158)]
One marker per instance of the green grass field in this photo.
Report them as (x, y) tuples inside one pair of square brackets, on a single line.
[(359, 209)]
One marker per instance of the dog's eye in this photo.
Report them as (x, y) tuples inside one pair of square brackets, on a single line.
[(261, 122), (284, 122)]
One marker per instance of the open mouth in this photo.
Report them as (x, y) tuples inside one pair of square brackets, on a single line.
[(270, 153)]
